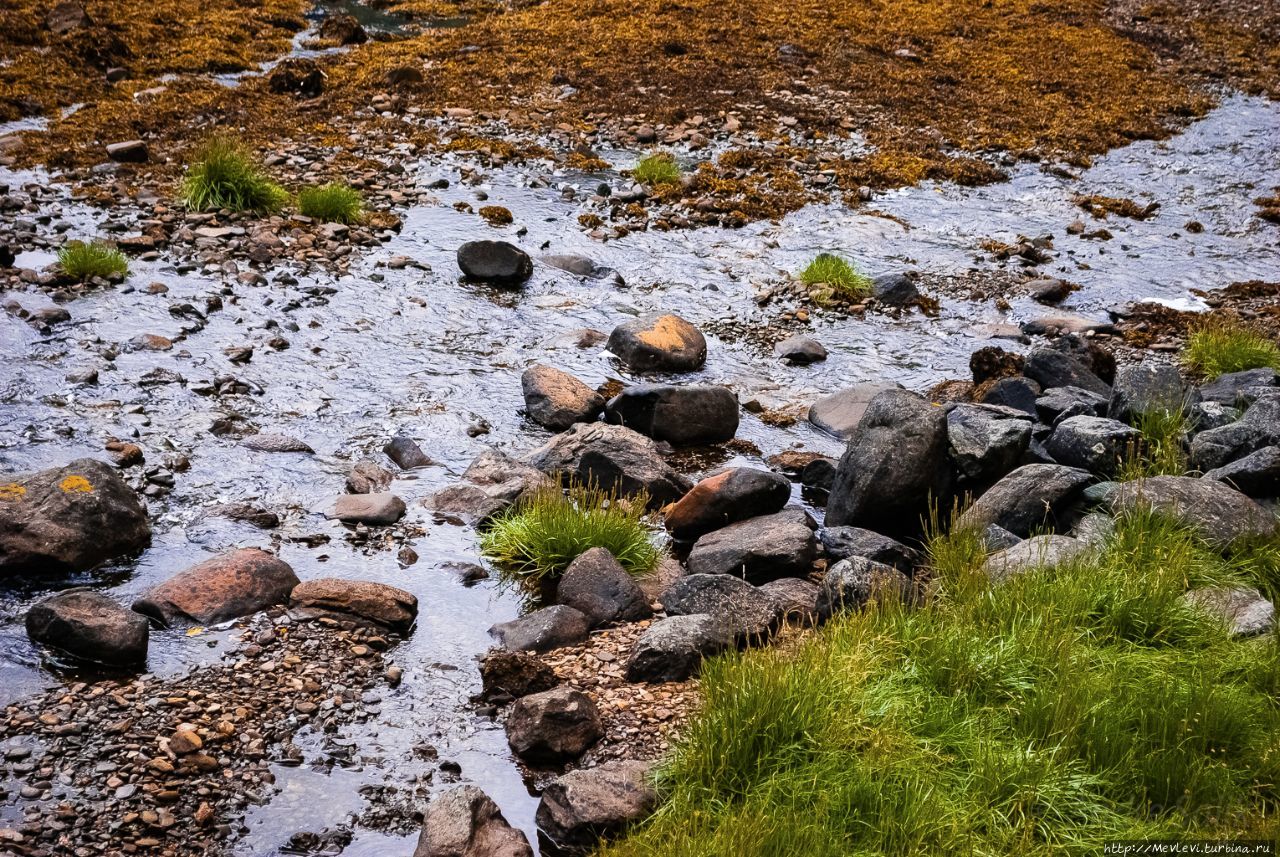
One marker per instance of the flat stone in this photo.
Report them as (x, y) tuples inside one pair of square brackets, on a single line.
[(373, 509), (839, 413), (1221, 515), (752, 614), (758, 549), (380, 603)]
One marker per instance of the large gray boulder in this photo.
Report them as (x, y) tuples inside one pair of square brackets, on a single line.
[(758, 549), (845, 542), (554, 726), (556, 400), (1051, 367), (727, 497), (1030, 498), (672, 649), (986, 442), (1060, 403), (89, 626), (613, 457), (660, 342), (896, 465), (1037, 552), (1218, 513), (751, 613), (680, 415), (798, 598), (577, 809), (1257, 474), (465, 822), (1259, 427), (1096, 444), (1240, 389), (542, 630), (852, 583), (225, 587), (599, 587), (1242, 609), (840, 412), (68, 519), (1149, 387)]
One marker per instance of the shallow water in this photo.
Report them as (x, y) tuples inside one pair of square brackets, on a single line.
[(418, 352)]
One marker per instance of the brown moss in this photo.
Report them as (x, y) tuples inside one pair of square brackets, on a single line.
[(1100, 206), (496, 215)]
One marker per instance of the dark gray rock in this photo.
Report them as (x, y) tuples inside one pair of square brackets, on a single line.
[(577, 809), (556, 400), (465, 822), (797, 598), (897, 289), (1051, 367), (895, 466), (997, 538), (758, 549), (263, 519), (496, 262), (582, 266), (1037, 552), (68, 519), (1259, 427), (1030, 498), (679, 415), (985, 443), (1242, 609), (851, 583), (819, 474), (839, 413), (728, 497), (507, 675), (1062, 403), (1239, 389), (1203, 416), (845, 542), (659, 343), (613, 457), (128, 152), (1096, 444), (1149, 387), (1257, 474), (89, 626), (752, 615), (600, 588), (554, 726), (543, 630), (491, 483), (406, 453), (1017, 393), (672, 649), (801, 350), (1218, 513)]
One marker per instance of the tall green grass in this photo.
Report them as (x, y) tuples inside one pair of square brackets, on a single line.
[(1163, 451), (1217, 347), (225, 175), (82, 260), (1043, 716), (532, 543)]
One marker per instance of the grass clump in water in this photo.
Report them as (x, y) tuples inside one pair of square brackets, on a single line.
[(83, 260), (226, 176), (656, 169), (331, 203), (534, 541), (1218, 347), (828, 269), (1045, 715)]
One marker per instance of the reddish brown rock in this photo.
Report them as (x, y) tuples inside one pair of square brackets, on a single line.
[(218, 589), (375, 602), (726, 498)]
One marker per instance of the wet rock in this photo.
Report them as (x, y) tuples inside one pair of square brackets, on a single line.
[(1259, 427), (582, 806), (1242, 609), (543, 630), (1050, 367), (556, 400), (1043, 552), (840, 412), (506, 674), (128, 152), (1257, 474), (384, 605), (1017, 393), (1217, 512), (368, 477), (405, 453), (1096, 444), (896, 289), (683, 416), (728, 497), (985, 443), (1030, 498), (465, 822), (613, 457), (1060, 403), (496, 262), (851, 583), (373, 509), (68, 519), (1149, 387), (819, 474), (895, 466), (90, 626), (491, 483), (224, 587), (275, 443), (67, 16), (758, 549), (749, 612), (845, 542), (659, 343), (801, 350), (795, 597), (1049, 290), (599, 587), (341, 30), (1239, 389), (554, 726), (250, 514), (297, 76), (672, 649)]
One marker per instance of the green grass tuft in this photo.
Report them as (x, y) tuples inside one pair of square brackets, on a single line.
[(1164, 445), (226, 176), (1217, 347), (81, 260), (533, 542), (1044, 716), (831, 271), (656, 169), (331, 203)]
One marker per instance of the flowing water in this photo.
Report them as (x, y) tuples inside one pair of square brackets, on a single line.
[(418, 352)]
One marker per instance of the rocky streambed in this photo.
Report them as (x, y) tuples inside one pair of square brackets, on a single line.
[(248, 376)]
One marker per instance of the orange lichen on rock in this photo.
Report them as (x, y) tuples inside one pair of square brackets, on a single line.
[(76, 484)]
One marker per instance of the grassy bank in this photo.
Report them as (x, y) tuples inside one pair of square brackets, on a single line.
[(1044, 716)]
